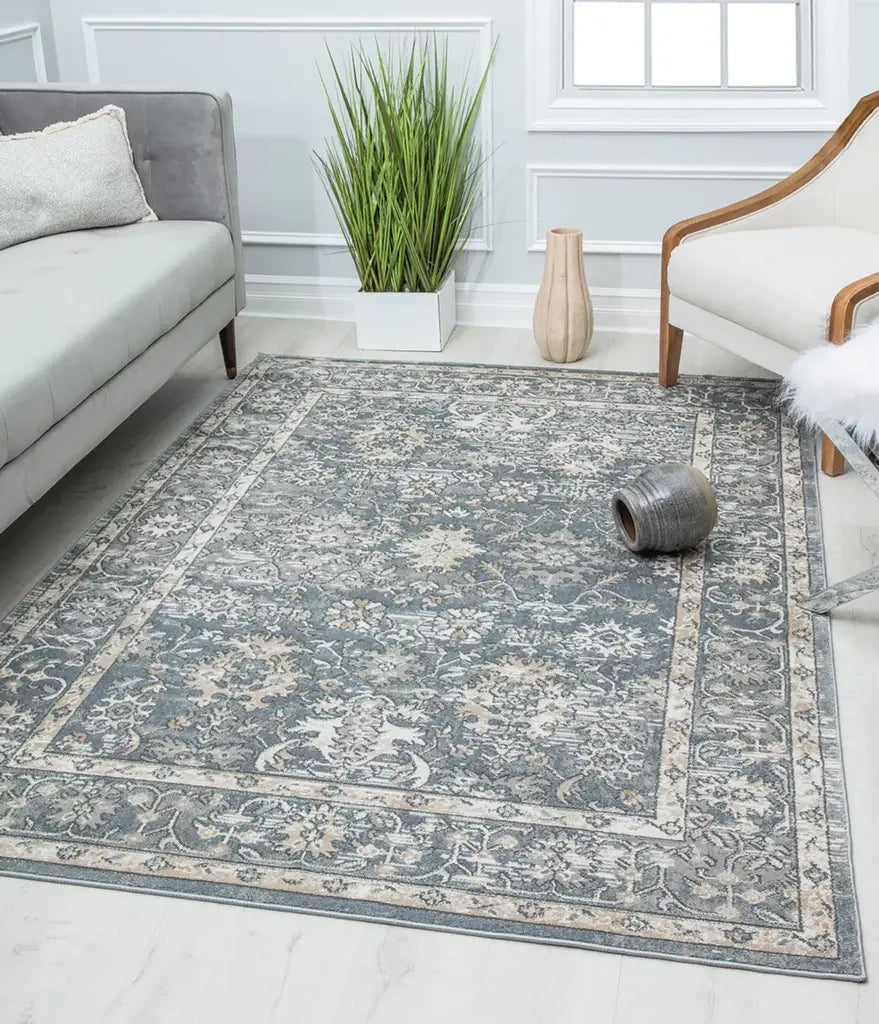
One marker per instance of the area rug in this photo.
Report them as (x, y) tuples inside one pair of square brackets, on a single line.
[(363, 643)]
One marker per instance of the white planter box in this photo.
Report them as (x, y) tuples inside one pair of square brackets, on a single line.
[(405, 321)]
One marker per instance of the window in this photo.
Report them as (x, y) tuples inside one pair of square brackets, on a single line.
[(689, 44), (688, 65)]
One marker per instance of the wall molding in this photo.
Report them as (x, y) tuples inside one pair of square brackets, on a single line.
[(617, 311), (34, 33), (536, 173), (482, 27)]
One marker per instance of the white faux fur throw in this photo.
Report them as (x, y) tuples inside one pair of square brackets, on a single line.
[(839, 382)]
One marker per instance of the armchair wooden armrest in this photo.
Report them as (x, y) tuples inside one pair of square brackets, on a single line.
[(783, 192)]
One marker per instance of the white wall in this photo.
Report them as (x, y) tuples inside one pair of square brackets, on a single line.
[(864, 46), (621, 189), (26, 41)]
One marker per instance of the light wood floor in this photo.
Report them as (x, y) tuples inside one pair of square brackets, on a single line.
[(71, 955)]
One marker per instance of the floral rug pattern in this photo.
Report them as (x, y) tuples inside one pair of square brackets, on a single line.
[(363, 642)]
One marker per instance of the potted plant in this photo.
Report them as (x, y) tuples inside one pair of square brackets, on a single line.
[(402, 172)]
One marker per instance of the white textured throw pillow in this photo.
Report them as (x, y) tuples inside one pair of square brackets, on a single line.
[(69, 177)]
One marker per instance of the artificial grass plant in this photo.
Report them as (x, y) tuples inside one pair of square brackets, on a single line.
[(404, 166)]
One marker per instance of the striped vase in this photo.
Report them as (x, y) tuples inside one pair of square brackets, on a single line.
[(563, 310)]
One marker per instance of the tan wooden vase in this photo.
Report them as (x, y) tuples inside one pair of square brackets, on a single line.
[(563, 311)]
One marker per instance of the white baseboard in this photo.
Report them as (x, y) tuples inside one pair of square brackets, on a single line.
[(315, 298), (617, 310)]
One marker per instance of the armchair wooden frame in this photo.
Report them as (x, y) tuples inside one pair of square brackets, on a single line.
[(846, 301)]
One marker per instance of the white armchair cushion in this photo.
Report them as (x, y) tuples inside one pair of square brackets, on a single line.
[(779, 283)]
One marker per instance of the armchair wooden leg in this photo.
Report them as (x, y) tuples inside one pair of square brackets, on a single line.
[(670, 340), (832, 459), (670, 337), (838, 330), (227, 344)]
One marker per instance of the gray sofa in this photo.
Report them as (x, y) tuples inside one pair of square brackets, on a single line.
[(93, 322)]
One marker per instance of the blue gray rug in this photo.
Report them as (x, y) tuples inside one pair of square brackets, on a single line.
[(363, 643)]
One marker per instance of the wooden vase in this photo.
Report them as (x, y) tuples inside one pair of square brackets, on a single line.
[(563, 311)]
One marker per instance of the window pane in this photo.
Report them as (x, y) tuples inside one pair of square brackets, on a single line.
[(763, 44), (608, 43), (686, 44)]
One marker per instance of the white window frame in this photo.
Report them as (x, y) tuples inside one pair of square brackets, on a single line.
[(556, 105)]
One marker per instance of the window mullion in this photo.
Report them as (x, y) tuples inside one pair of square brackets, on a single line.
[(724, 45), (805, 43)]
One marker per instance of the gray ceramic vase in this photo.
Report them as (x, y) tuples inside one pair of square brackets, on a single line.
[(670, 507)]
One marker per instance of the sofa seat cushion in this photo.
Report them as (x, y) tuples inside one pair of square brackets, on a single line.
[(779, 282), (76, 308)]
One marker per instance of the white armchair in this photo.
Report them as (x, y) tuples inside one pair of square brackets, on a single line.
[(774, 275)]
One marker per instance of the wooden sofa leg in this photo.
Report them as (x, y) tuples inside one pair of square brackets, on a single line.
[(670, 340), (227, 343), (832, 459)]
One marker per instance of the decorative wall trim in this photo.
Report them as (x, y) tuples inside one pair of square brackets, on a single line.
[(553, 105), (34, 33), (480, 26), (535, 173), (627, 311)]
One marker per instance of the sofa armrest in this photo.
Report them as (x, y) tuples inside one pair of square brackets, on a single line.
[(183, 145)]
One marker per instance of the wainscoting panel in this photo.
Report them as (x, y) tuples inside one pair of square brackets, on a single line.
[(21, 54), (272, 67), (627, 209)]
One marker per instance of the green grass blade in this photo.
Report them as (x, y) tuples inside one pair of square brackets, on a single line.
[(403, 168)]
